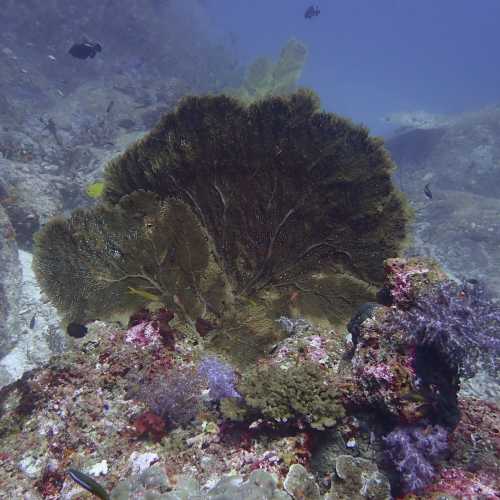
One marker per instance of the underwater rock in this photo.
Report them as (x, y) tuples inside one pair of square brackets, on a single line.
[(357, 478), (459, 226), (300, 484), (464, 235), (391, 372), (10, 280), (39, 332)]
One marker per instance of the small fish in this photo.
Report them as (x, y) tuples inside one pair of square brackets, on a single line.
[(311, 12), (51, 57), (110, 106), (76, 330), (145, 295), (32, 322), (88, 483), (95, 190), (427, 191), (85, 50)]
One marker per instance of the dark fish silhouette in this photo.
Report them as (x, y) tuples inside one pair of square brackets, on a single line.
[(88, 483), (85, 50), (76, 330), (311, 12), (32, 322), (427, 191)]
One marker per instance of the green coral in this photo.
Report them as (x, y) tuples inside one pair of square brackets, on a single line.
[(303, 390), (265, 78)]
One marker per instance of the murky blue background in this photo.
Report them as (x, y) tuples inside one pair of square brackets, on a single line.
[(368, 58)]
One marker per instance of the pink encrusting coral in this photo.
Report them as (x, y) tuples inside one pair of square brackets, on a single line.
[(401, 283), (144, 334), (306, 344), (404, 277), (384, 373), (458, 483), (151, 329), (379, 371)]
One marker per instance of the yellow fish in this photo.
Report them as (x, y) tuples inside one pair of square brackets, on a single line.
[(95, 189), (145, 295)]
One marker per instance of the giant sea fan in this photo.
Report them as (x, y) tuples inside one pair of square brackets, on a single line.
[(277, 196), (280, 186)]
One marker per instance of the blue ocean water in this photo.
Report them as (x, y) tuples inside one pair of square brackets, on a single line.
[(370, 58)]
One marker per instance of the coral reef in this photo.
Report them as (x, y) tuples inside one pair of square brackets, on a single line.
[(173, 421), (392, 372), (460, 322), (411, 377), (301, 392)]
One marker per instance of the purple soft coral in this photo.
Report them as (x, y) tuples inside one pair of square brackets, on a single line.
[(220, 376), (413, 450), (460, 321)]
